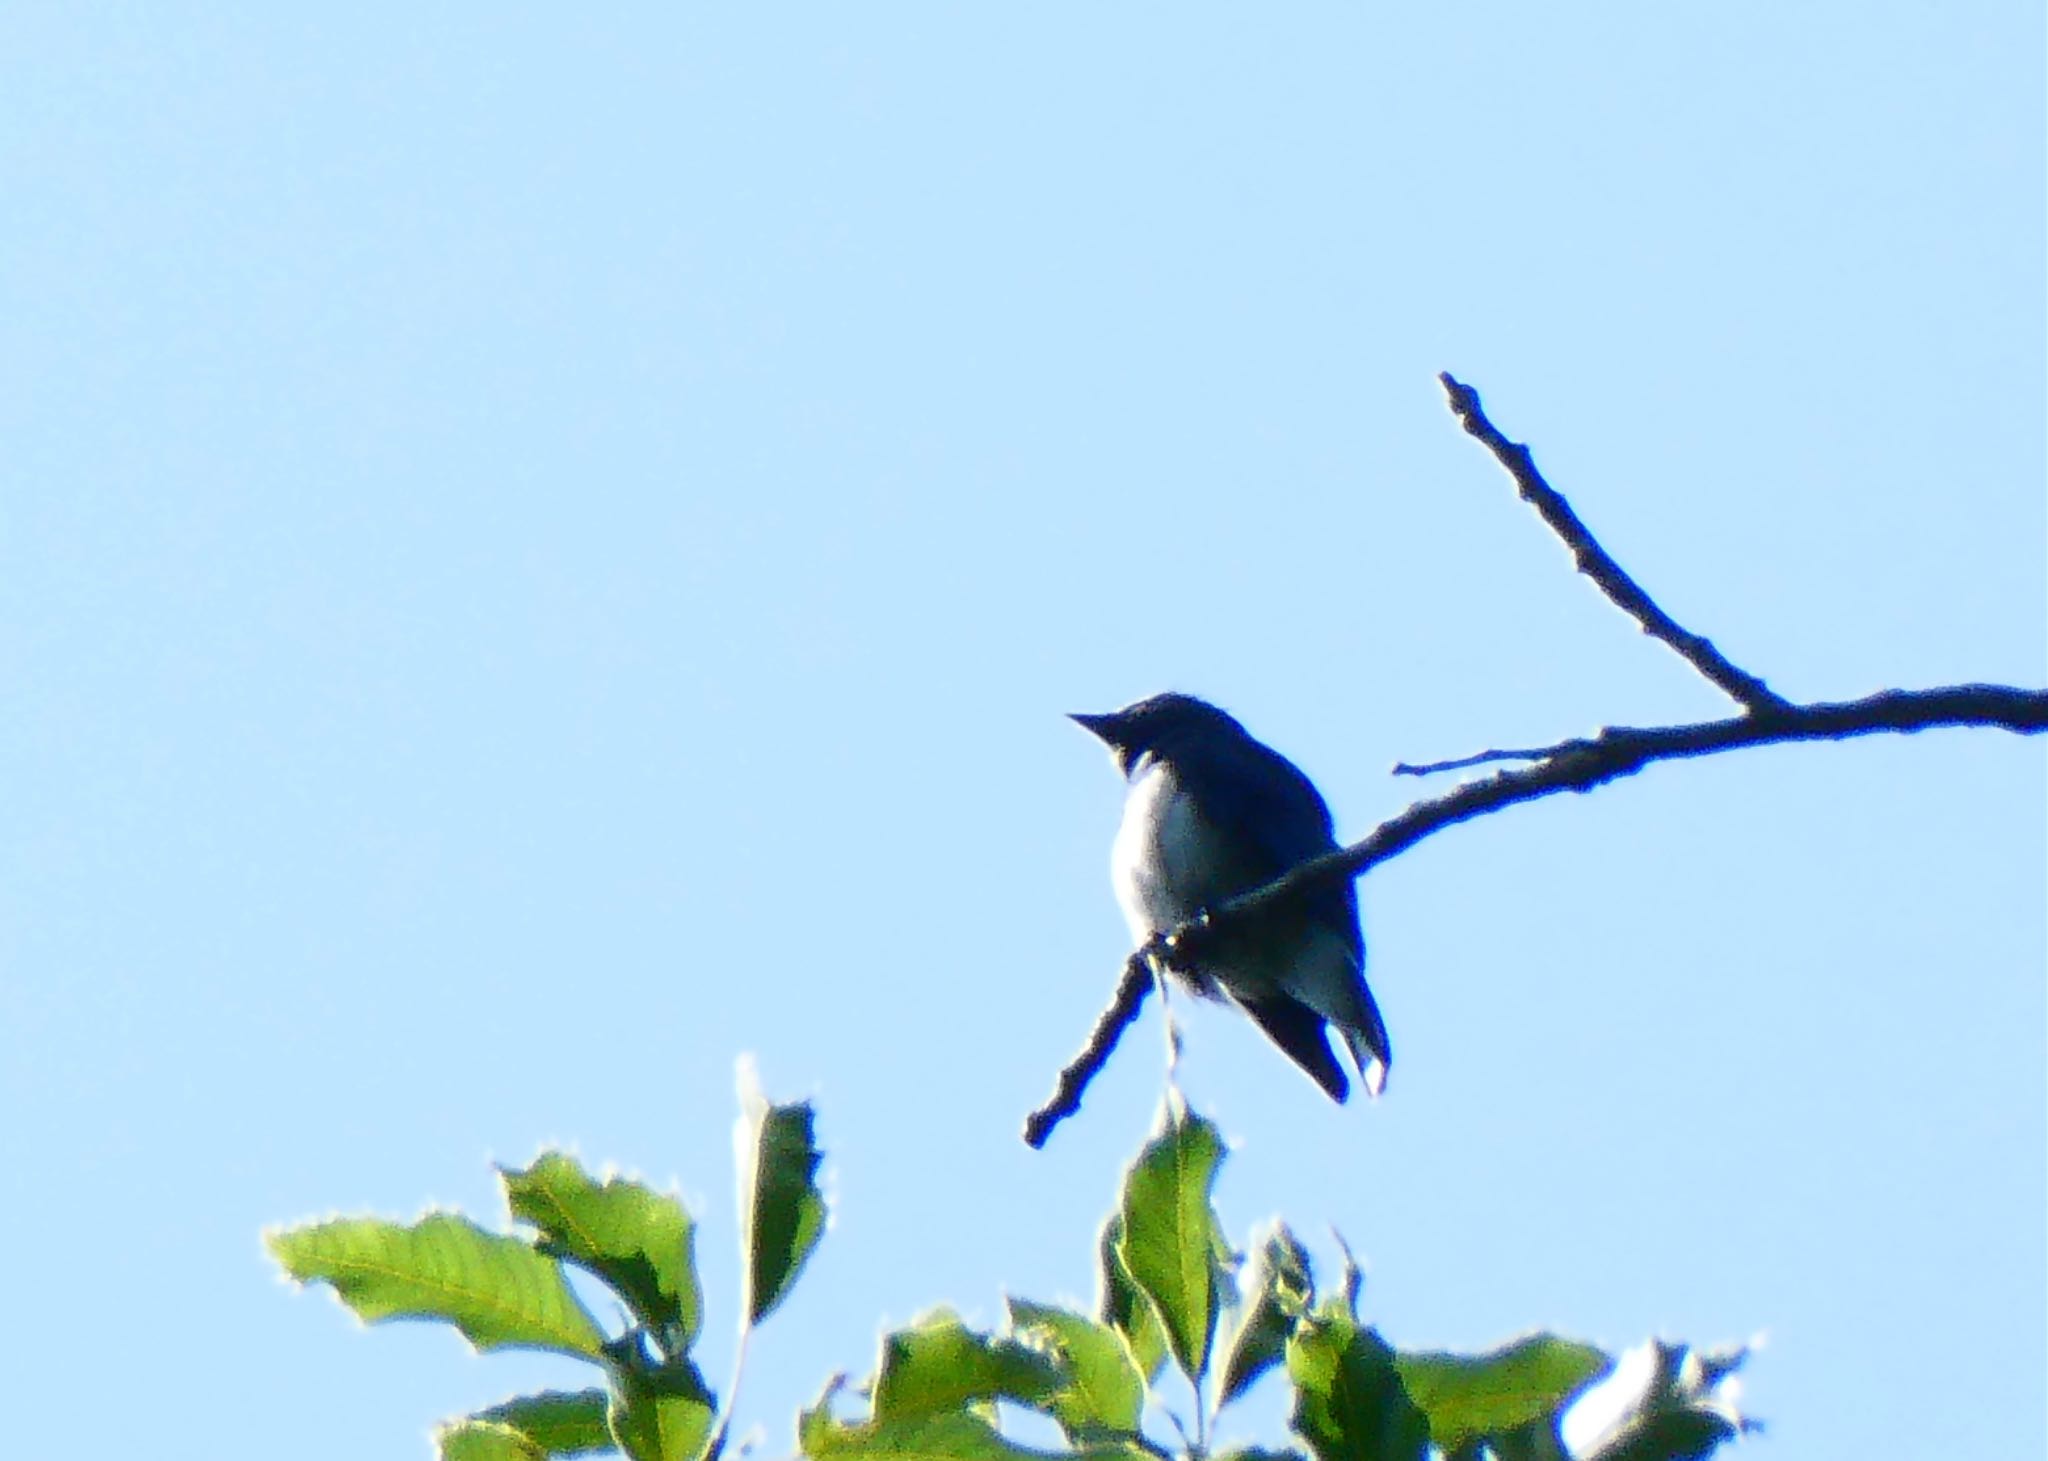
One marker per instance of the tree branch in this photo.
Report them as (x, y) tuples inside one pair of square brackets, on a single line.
[(1581, 765), (1575, 765), (1083, 1068), (1592, 560)]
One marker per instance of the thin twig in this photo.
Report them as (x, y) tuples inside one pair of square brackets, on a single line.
[(1575, 765), (1431, 768), (1592, 560)]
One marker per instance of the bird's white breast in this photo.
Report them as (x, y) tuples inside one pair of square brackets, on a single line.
[(1158, 862)]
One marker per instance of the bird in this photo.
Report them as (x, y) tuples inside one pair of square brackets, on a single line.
[(1211, 812)]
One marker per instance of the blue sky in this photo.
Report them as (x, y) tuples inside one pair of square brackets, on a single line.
[(541, 553)]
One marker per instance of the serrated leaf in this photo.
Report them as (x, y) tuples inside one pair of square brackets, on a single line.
[(1104, 1395), (636, 1239), (1277, 1289), (661, 1414), (498, 1291), (782, 1212), (483, 1440), (939, 1365), (1662, 1402), (1471, 1398), (1171, 1239), (559, 1422), (1122, 1307), (1349, 1404)]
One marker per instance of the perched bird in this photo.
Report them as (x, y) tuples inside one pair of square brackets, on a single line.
[(1210, 813)]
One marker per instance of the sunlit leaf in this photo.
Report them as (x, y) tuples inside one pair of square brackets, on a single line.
[(1171, 1239), (1277, 1289), (558, 1422), (1469, 1398), (662, 1414), (1103, 1394), (939, 1365), (498, 1291), (636, 1239), (782, 1212), (1122, 1307), (483, 1440)]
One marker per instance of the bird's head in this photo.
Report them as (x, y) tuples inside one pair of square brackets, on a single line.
[(1155, 724)]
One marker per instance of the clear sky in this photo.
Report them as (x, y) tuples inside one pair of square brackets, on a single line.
[(542, 552)]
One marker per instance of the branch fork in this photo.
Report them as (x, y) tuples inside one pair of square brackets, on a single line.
[(1579, 765)]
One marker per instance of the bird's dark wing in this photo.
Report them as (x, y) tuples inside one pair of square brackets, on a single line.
[(1298, 1030), (1272, 817)]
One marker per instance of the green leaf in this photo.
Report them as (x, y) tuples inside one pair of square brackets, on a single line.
[(635, 1239), (557, 1422), (1536, 1441), (483, 1440), (1277, 1290), (498, 1291), (1171, 1238), (1104, 1395), (1663, 1402), (962, 1434), (1123, 1308), (782, 1212), (659, 1414), (1472, 1398), (939, 1365), (1349, 1404)]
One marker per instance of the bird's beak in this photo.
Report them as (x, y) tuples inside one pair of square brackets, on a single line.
[(1102, 726)]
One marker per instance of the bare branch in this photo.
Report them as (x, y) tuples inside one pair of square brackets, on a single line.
[(1083, 1068), (1581, 765), (1592, 560), (1575, 765)]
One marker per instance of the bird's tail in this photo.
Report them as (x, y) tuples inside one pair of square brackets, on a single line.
[(1367, 1039)]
